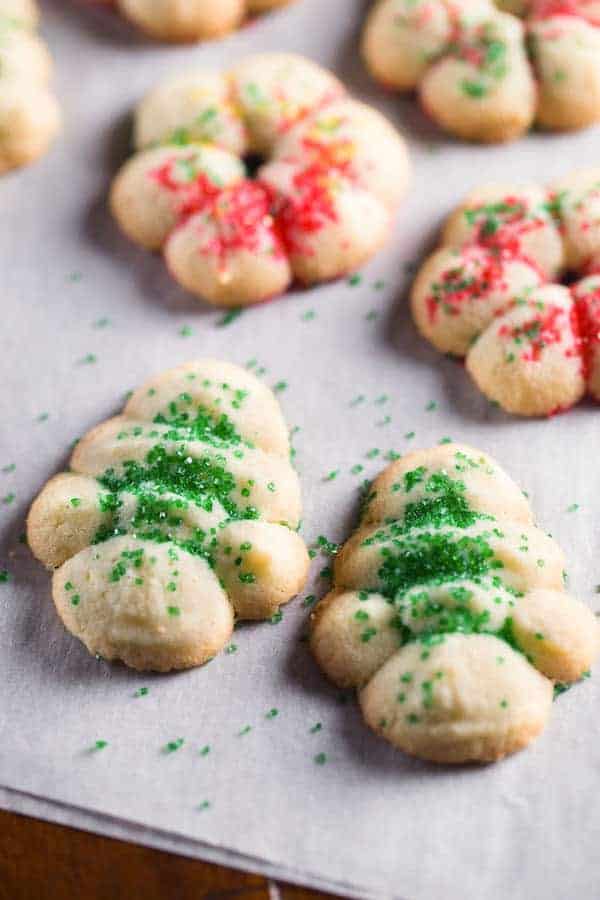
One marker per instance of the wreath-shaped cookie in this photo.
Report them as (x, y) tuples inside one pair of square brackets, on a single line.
[(449, 612), (176, 517), (29, 114), (192, 20), (490, 293), (319, 207), (485, 75)]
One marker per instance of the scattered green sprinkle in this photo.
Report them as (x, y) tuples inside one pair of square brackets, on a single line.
[(320, 759), (230, 317)]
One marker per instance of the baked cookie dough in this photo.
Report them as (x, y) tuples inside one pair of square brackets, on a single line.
[(320, 205), (489, 72), (181, 21), (448, 612), (490, 293), (175, 518), (29, 114)]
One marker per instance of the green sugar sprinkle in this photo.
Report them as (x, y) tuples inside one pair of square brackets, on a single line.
[(87, 360), (75, 501), (280, 386), (308, 316), (101, 323), (309, 600), (573, 507), (230, 317), (204, 805), (245, 730), (331, 476), (383, 398), (204, 751), (431, 406), (355, 279), (272, 713), (371, 454), (379, 284), (8, 499), (43, 417), (316, 727), (9, 468), (173, 611), (186, 331), (4, 576), (231, 648), (357, 469), (142, 692), (276, 617), (371, 315), (409, 435), (173, 746), (99, 745), (320, 759), (383, 422), (74, 277)]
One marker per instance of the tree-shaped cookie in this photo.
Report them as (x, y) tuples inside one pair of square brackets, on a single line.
[(192, 20), (483, 74), (175, 517), (29, 115), (491, 293), (449, 613), (321, 204)]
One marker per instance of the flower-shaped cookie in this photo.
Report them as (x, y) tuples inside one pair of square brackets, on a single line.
[(490, 293), (175, 517), (192, 20), (485, 75), (319, 207), (449, 612), (29, 115)]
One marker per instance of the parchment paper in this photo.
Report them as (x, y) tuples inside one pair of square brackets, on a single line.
[(368, 822)]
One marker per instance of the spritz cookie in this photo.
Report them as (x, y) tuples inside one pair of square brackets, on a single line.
[(321, 204), (448, 612), (488, 72), (175, 518), (490, 293), (181, 21), (29, 114)]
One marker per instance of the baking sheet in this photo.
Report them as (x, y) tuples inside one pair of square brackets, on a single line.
[(85, 318)]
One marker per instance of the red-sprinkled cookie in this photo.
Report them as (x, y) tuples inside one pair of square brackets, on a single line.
[(29, 114), (449, 614), (489, 294), (483, 74), (181, 21), (175, 518), (321, 204)]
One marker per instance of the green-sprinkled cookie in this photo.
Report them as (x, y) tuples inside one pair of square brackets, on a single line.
[(176, 517)]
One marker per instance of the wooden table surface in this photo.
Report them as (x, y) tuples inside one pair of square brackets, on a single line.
[(40, 861)]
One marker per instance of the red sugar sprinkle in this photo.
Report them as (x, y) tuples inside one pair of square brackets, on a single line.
[(195, 194)]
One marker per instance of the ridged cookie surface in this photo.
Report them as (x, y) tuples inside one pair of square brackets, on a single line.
[(484, 74), (181, 21), (490, 293), (322, 203), (29, 114), (176, 517), (448, 612)]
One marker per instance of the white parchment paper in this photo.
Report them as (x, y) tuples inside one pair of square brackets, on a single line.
[(368, 822)]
